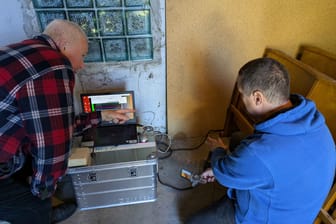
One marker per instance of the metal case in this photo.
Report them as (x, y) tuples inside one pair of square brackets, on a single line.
[(115, 178)]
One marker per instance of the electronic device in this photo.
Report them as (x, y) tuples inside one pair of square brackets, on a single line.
[(194, 179), (108, 133)]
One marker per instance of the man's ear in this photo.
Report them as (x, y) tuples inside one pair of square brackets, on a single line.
[(63, 45), (61, 42), (258, 97)]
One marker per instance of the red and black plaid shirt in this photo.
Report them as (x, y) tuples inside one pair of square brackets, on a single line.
[(36, 107)]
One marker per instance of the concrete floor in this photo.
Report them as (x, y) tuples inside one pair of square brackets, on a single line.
[(172, 206)]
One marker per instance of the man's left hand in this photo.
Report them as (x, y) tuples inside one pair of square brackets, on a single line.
[(117, 116)]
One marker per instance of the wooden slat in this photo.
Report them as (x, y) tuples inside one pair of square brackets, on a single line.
[(324, 216), (243, 124), (323, 93), (320, 59), (302, 75)]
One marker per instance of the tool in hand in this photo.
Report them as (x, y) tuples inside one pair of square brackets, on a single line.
[(194, 179)]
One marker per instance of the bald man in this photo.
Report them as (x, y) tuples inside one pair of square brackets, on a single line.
[(37, 121)]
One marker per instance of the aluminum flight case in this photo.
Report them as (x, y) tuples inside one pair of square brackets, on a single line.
[(116, 177)]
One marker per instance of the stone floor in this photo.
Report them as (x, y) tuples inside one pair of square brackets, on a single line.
[(172, 206)]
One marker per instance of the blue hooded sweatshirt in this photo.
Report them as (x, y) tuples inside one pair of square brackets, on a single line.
[(283, 172)]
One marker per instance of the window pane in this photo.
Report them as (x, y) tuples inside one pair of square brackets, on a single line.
[(141, 48), (111, 22), (136, 2), (118, 30), (79, 3), (86, 20), (108, 3), (94, 53), (46, 17), (48, 3), (138, 22), (115, 49)]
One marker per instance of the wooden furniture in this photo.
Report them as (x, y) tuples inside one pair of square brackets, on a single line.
[(305, 80), (318, 58), (323, 94), (327, 213), (302, 76), (237, 119)]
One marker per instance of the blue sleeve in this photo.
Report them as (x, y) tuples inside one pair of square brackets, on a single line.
[(240, 170)]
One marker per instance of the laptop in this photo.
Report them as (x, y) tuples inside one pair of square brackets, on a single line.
[(108, 133)]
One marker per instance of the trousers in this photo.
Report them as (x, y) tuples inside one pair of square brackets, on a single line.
[(19, 206), (221, 212)]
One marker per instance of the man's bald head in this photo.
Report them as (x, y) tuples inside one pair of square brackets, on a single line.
[(70, 39), (63, 29)]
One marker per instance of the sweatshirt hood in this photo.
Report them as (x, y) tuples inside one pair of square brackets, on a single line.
[(298, 120)]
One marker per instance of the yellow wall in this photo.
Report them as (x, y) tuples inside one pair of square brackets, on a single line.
[(209, 40)]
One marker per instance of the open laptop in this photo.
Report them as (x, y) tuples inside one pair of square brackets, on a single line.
[(108, 133)]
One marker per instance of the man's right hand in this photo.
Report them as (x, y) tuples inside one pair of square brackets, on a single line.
[(208, 175), (117, 116)]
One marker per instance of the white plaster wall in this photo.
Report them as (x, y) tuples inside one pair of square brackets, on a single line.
[(147, 79), (11, 21)]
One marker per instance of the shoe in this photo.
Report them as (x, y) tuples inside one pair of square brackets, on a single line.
[(62, 212)]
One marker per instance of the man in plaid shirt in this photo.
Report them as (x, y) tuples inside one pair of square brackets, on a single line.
[(37, 118)]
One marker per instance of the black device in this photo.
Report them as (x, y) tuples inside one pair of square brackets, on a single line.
[(108, 133)]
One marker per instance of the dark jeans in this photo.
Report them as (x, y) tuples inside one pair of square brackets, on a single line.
[(19, 206), (221, 212), (65, 190)]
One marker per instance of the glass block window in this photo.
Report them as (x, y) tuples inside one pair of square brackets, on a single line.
[(118, 30)]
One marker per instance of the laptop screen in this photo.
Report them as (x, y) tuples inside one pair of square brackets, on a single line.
[(92, 102)]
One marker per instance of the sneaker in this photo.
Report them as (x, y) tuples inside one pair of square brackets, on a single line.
[(62, 212)]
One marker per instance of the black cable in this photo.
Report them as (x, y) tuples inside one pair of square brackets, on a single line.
[(171, 150), (171, 186), (202, 142)]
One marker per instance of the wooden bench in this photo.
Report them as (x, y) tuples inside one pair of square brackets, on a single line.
[(237, 119), (327, 213), (318, 58)]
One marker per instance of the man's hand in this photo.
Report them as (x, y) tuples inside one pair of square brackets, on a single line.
[(117, 116), (216, 142), (208, 175)]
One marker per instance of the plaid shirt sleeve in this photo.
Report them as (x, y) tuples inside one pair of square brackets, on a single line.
[(84, 121), (36, 96), (47, 114)]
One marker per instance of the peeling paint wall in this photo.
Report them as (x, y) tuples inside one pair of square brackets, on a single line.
[(147, 79)]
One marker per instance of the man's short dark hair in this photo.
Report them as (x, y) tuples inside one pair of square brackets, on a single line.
[(266, 75)]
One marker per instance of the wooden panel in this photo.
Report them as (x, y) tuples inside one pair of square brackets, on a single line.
[(324, 215), (242, 121), (323, 94), (319, 59), (302, 76), (236, 116)]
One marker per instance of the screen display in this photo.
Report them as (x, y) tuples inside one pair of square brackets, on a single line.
[(108, 101)]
